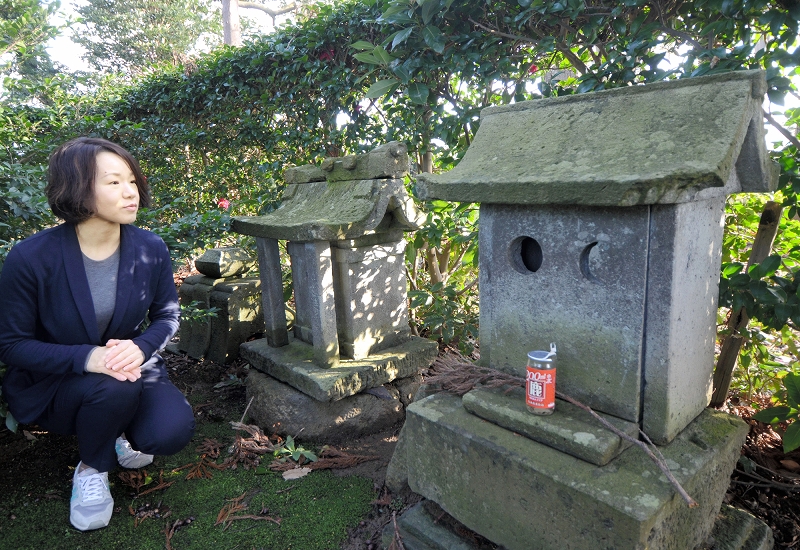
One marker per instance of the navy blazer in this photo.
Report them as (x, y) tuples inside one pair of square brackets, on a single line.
[(47, 322)]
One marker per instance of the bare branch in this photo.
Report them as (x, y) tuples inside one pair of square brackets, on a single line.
[(783, 130), (269, 11), (495, 32)]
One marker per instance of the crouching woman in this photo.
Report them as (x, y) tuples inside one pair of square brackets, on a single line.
[(86, 306)]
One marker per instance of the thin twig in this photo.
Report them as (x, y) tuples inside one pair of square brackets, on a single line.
[(782, 129), (776, 484), (644, 446), (241, 421), (490, 30)]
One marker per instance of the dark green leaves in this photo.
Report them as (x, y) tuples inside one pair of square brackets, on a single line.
[(788, 411), (433, 38), (381, 88), (774, 414), (418, 93)]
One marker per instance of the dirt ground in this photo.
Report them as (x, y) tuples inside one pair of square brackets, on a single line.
[(766, 481)]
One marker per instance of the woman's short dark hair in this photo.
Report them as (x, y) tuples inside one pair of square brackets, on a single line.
[(70, 177)]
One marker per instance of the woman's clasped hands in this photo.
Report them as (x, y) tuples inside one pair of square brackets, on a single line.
[(120, 359)]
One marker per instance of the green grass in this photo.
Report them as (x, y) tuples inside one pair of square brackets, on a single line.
[(315, 511)]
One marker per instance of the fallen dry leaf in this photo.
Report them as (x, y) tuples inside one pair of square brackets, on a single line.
[(790, 465), (296, 473)]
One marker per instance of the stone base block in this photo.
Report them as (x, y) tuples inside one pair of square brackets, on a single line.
[(294, 364), (280, 408), (736, 529), (525, 495), (569, 429), (422, 529)]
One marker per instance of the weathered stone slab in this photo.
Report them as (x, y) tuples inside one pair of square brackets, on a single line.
[(496, 482), (423, 529), (239, 317), (420, 531), (224, 262), (370, 295), (575, 276), (330, 211), (195, 334), (569, 429), (303, 174), (312, 276), (667, 142), (280, 408), (736, 529), (294, 364), (389, 160), (685, 243)]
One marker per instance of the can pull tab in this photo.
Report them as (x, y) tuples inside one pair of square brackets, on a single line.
[(552, 350)]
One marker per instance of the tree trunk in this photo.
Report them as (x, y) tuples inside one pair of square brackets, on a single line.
[(729, 351), (231, 29)]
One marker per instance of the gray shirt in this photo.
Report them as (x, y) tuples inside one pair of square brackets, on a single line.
[(102, 276)]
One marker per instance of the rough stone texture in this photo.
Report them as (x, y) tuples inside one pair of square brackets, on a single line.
[(294, 364), (389, 160), (303, 174), (195, 336), (736, 529), (279, 408), (495, 482), (587, 298), (569, 429), (397, 469), (322, 211), (667, 142), (408, 388), (370, 295), (224, 262), (239, 317), (606, 273), (422, 529), (312, 280), (272, 305), (682, 294)]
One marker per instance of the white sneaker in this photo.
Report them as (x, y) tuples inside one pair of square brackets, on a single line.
[(128, 457), (91, 504)]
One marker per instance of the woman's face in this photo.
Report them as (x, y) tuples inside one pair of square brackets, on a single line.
[(115, 192)]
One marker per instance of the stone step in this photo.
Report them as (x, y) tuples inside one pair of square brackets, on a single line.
[(734, 529)]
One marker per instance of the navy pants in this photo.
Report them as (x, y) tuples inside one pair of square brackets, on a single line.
[(152, 412)]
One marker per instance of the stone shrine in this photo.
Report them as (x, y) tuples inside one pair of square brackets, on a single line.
[(601, 225), (223, 285), (343, 222)]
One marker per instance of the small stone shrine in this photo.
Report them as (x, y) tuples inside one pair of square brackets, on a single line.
[(343, 222), (601, 224), (236, 299)]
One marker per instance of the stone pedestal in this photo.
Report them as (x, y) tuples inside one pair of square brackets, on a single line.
[(422, 528), (525, 495), (295, 365)]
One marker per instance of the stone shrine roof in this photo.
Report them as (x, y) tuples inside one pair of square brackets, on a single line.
[(343, 198), (668, 142)]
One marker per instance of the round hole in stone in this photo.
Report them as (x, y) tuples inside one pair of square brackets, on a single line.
[(585, 263), (526, 254)]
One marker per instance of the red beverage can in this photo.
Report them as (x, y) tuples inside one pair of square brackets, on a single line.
[(540, 382)]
